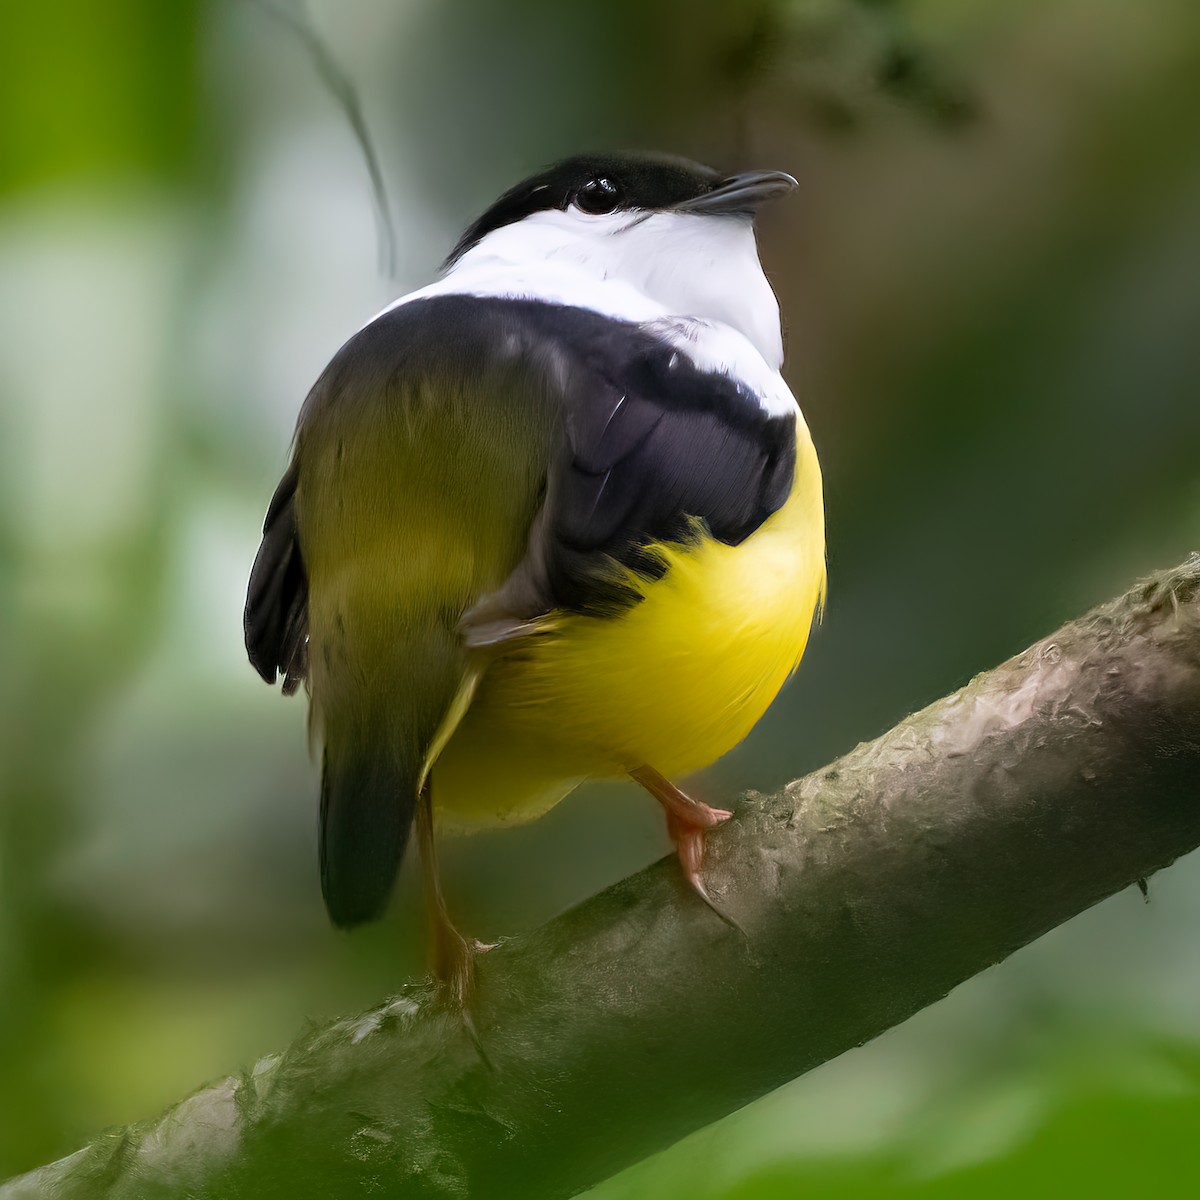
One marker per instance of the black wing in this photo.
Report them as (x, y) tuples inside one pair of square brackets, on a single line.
[(651, 449), (276, 616)]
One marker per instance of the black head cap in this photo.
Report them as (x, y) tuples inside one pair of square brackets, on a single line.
[(603, 183)]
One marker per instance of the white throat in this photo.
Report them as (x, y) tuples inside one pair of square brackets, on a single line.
[(633, 266), (695, 280)]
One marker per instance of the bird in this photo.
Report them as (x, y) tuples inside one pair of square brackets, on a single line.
[(554, 517)]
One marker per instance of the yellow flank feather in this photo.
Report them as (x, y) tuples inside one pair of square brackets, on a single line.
[(674, 682)]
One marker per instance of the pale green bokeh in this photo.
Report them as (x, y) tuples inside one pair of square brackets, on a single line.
[(992, 328)]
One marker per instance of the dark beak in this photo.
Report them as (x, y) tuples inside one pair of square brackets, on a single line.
[(740, 195)]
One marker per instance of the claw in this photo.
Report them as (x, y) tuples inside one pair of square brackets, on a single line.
[(689, 846), (688, 821), (726, 916), (454, 972), (453, 962)]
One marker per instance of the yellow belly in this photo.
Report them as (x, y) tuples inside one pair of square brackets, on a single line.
[(674, 682)]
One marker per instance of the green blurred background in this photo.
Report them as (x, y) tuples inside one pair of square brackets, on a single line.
[(991, 277)]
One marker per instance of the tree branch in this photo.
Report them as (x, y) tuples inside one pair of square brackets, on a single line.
[(868, 890)]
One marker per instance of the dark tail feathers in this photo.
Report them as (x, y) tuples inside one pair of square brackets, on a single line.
[(368, 801)]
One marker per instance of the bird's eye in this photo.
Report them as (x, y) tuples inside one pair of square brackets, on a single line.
[(597, 197)]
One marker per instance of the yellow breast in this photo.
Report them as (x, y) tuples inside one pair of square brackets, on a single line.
[(675, 681)]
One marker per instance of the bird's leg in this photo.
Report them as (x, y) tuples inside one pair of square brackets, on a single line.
[(688, 821), (453, 956)]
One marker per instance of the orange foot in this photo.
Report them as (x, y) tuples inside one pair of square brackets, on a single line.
[(688, 822)]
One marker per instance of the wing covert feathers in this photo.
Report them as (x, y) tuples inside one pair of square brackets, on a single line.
[(276, 614)]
